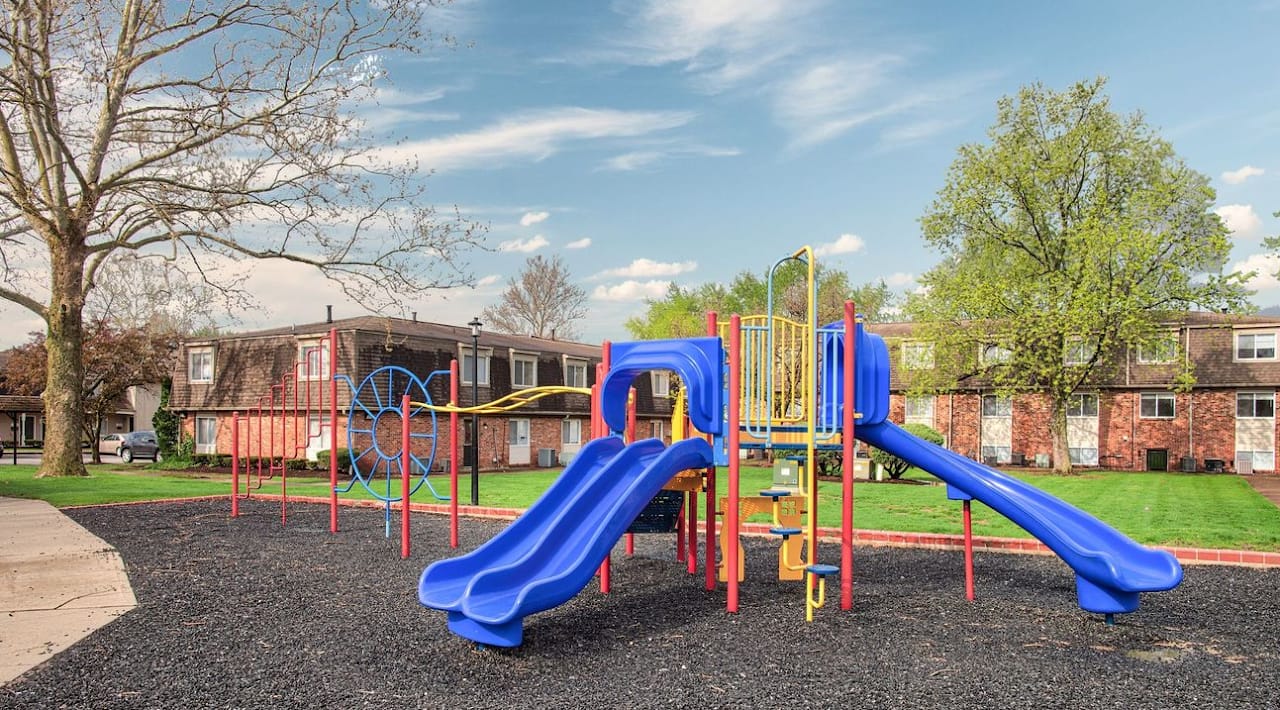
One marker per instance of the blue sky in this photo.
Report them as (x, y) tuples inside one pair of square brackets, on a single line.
[(647, 142)]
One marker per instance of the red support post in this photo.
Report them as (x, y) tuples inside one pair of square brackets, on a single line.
[(631, 439), (735, 404), (846, 441), (691, 523), (453, 455), (235, 464), (968, 553), (606, 351), (709, 556), (406, 457), (333, 430)]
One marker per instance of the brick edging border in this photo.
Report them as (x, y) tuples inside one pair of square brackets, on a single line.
[(888, 538)]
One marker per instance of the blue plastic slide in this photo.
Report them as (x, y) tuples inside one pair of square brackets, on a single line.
[(1111, 569), (549, 553)]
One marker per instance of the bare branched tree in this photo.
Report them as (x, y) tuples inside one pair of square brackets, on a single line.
[(541, 301), (201, 133)]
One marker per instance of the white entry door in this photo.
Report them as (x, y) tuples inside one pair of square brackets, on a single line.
[(518, 442)]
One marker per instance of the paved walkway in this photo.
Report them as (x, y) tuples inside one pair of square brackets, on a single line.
[(1266, 484), (58, 583)]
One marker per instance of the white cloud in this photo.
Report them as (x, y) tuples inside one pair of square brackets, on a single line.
[(530, 218), (532, 136), (526, 246), (1266, 266), (829, 98), (1235, 177), (846, 244), (898, 279), (1241, 220), (639, 159), (648, 268), (631, 291), (579, 243), (915, 132), (489, 280)]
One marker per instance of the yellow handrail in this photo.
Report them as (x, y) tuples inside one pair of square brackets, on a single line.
[(506, 403)]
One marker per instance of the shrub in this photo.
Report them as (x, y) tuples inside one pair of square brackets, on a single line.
[(296, 464), (344, 460), (166, 424), (895, 466)]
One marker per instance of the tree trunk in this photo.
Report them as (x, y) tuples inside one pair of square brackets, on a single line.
[(1058, 430), (63, 393)]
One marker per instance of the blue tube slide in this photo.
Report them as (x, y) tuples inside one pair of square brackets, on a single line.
[(1111, 569), (548, 555)]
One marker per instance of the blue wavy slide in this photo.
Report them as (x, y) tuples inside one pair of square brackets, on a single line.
[(549, 553), (1111, 569)]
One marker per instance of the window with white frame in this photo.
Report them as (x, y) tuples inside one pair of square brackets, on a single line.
[(524, 370), (661, 380), (1160, 350), (917, 355), (313, 360), (658, 430), (999, 454), (571, 432), (475, 369), (919, 410), (575, 372), (1156, 405), (1083, 456), (1255, 405), (992, 354), (206, 435), (1255, 346), (1080, 351), (1082, 405), (996, 406), (200, 364)]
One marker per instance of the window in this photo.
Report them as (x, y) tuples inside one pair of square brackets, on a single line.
[(658, 430), (917, 355), (518, 432), (1255, 461), (998, 454), (1255, 405), (1255, 346), (200, 364), (206, 435), (661, 383), (994, 355), (994, 406), (1083, 456), (524, 370), (1156, 405), (313, 360), (1080, 351), (571, 432), (1160, 350), (575, 373), (1082, 405), (469, 367), (919, 410)]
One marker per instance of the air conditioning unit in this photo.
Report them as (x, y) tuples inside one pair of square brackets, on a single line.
[(1244, 463), (546, 458)]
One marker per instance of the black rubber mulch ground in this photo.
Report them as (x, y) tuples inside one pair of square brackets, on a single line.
[(246, 614)]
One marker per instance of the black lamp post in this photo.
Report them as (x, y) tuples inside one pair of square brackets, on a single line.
[(475, 416)]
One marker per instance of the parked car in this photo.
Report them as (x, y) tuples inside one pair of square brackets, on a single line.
[(139, 444), (110, 444)]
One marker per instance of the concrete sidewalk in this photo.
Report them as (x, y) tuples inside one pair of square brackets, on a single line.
[(58, 583)]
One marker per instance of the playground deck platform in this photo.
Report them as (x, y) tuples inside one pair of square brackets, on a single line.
[(246, 613)]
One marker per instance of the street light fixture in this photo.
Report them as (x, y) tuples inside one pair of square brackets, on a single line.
[(475, 416)]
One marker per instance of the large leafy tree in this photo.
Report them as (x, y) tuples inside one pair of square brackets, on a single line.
[(541, 300), (200, 133), (681, 313), (1071, 234), (115, 359)]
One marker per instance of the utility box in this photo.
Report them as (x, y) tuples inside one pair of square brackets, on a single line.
[(862, 468), (546, 458), (786, 473)]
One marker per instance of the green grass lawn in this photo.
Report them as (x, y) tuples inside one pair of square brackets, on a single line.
[(1194, 510)]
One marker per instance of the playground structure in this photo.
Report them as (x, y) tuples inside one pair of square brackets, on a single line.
[(759, 382)]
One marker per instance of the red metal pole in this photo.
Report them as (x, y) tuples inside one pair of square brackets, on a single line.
[(333, 430), (968, 553), (691, 522), (235, 464), (606, 352), (846, 441), (709, 556), (680, 532), (405, 458), (735, 404), (284, 484), (453, 455), (631, 439)]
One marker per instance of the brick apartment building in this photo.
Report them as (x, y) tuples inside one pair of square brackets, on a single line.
[(232, 373), (1132, 419)]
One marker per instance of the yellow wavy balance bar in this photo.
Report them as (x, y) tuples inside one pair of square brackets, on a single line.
[(506, 403)]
